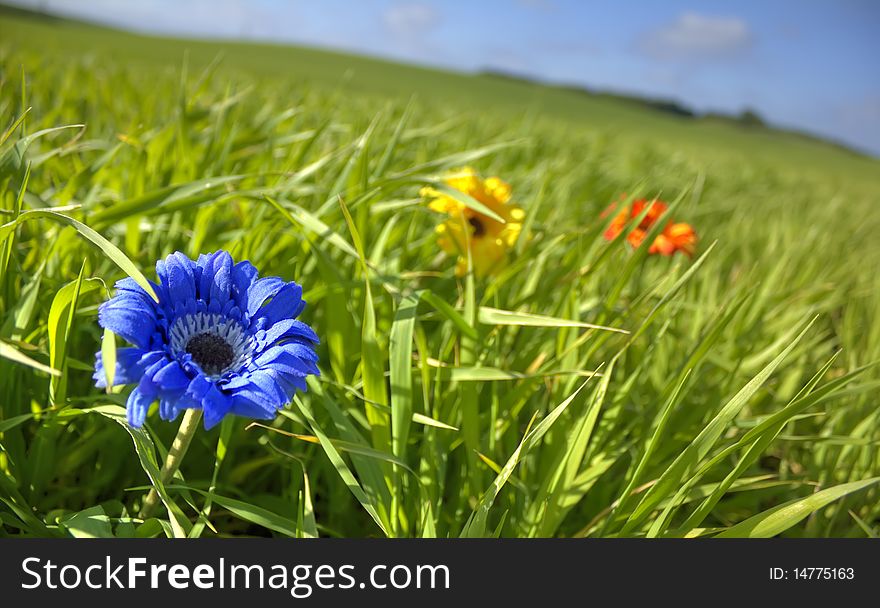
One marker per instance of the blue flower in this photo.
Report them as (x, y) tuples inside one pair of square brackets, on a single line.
[(220, 339)]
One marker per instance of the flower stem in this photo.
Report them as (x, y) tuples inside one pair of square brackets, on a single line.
[(185, 433)]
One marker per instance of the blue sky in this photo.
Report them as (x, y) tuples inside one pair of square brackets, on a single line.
[(810, 64)]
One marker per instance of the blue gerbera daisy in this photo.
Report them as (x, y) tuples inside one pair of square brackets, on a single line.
[(220, 339)]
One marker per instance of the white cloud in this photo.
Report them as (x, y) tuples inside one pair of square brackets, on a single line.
[(694, 36), (410, 20)]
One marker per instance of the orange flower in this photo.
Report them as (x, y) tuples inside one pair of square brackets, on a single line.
[(675, 237)]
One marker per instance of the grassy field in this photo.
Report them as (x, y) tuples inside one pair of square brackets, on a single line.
[(738, 398)]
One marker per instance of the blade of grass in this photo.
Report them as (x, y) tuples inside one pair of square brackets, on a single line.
[(782, 517)]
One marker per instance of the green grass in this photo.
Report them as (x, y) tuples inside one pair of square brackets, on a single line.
[(741, 399)]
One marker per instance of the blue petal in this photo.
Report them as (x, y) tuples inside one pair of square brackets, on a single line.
[(184, 400), (290, 384), (260, 291), (286, 328), (302, 330), (128, 287), (214, 402), (265, 380), (180, 279), (136, 408), (232, 311), (171, 377), (236, 381), (242, 406), (124, 317), (127, 369), (295, 366), (125, 301), (290, 358), (269, 399), (215, 405), (259, 384), (151, 357), (286, 304), (131, 286), (243, 276), (214, 282), (147, 385), (198, 387), (222, 283), (205, 266), (168, 409), (198, 271)]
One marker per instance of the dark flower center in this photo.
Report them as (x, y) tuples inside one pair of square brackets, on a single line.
[(211, 352), (477, 224)]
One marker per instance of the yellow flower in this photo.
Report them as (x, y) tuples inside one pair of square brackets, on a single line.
[(489, 239)]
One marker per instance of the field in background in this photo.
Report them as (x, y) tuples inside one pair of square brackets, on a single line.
[(741, 402)]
